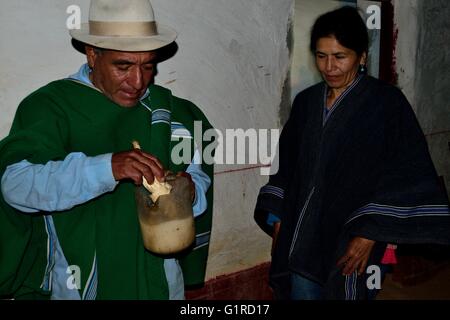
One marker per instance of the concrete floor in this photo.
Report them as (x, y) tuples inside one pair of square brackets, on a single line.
[(435, 287)]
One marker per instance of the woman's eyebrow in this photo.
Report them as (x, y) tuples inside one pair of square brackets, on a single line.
[(332, 54)]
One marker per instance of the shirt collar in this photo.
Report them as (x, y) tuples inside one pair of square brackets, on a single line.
[(327, 112), (82, 75)]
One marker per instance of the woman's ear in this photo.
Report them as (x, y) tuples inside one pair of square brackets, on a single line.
[(363, 59)]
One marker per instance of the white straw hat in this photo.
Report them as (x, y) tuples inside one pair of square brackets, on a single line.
[(123, 25)]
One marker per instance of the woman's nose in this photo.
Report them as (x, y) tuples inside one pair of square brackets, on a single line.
[(329, 64)]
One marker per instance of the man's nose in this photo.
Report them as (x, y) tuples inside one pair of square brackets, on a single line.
[(136, 79)]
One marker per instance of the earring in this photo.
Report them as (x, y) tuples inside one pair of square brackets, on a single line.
[(362, 69)]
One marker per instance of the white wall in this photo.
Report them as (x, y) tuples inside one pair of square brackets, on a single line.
[(35, 49), (422, 56), (405, 22), (232, 62)]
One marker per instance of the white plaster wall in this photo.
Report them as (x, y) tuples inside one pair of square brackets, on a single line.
[(232, 62), (432, 83), (405, 22), (34, 50), (422, 62), (433, 66)]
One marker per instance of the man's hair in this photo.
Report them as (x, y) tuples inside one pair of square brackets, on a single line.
[(346, 25), (98, 50)]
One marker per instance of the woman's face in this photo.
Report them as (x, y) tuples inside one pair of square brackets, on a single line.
[(337, 64)]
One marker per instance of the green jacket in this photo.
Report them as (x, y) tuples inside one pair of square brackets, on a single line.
[(66, 116)]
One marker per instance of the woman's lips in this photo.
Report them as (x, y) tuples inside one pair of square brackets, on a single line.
[(332, 78)]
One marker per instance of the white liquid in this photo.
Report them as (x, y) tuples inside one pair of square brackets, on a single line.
[(169, 237)]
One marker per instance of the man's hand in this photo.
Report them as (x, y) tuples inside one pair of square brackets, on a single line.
[(188, 176), (356, 256), (134, 165)]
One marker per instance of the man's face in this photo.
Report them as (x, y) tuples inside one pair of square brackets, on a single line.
[(122, 76)]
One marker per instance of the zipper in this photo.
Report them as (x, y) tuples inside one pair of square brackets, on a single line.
[(51, 249), (300, 219)]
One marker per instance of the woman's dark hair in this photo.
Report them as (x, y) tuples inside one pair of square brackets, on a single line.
[(346, 25)]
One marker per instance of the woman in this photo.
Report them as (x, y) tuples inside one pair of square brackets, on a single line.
[(355, 174)]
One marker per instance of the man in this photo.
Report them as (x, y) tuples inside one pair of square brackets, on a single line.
[(69, 227)]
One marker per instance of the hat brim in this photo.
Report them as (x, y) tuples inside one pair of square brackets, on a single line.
[(164, 37)]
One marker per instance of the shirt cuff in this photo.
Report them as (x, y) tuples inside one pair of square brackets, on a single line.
[(272, 219), (99, 172)]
